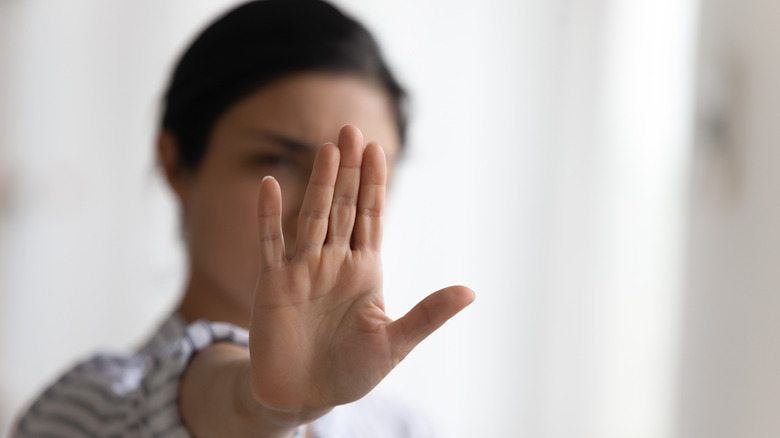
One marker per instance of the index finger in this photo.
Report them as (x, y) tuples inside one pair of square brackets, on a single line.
[(269, 225)]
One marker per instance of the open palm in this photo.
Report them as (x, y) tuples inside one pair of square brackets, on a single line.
[(319, 336)]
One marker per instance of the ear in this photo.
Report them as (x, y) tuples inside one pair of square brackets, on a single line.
[(175, 173)]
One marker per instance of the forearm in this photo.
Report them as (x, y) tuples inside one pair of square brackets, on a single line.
[(216, 398)]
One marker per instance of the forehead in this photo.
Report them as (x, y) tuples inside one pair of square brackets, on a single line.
[(311, 108)]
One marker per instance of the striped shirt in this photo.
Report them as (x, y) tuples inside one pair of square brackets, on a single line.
[(137, 395)]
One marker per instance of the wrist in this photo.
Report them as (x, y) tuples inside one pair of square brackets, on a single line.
[(274, 417), (216, 400), (252, 415)]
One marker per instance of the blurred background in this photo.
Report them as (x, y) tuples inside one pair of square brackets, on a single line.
[(601, 172)]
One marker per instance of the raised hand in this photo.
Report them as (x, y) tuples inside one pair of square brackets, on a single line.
[(319, 336)]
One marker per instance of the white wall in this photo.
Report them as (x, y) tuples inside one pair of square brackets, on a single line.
[(529, 175), (611, 307)]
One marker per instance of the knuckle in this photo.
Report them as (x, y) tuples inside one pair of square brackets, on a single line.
[(344, 200), (315, 214), (370, 212), (272, 237)]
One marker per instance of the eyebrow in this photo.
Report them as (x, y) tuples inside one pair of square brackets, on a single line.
[(282, 140)]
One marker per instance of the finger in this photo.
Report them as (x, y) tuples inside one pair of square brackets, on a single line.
[(269, 225), (315, 208), (371, 199), (427, 316), (342, 214)]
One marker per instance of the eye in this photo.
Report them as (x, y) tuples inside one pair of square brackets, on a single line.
[(272, 160)]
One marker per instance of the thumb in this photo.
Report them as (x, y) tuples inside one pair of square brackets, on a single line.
[(427, 316)]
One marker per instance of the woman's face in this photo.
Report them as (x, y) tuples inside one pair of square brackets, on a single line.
[(275, 131)]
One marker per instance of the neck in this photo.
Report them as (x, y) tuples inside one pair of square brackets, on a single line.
[(202, 300)]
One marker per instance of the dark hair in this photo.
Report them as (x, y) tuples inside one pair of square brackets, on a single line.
[(255, 44)]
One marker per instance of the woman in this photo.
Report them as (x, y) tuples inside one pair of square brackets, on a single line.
[(282, 318)]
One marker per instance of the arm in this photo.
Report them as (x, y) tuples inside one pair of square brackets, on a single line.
[(319, 336)]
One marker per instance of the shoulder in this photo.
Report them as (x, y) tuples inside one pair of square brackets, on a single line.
[(114, 395), (98, 396)]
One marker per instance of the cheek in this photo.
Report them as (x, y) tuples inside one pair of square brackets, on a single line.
[(222, 234)]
